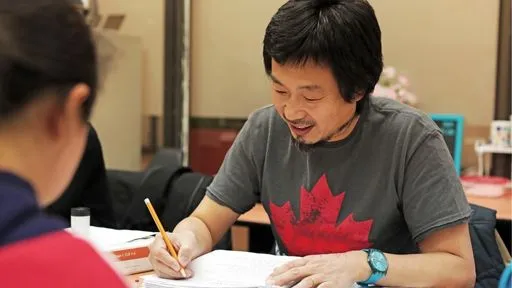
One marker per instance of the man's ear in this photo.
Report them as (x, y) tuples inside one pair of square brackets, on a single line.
[(67, 113)]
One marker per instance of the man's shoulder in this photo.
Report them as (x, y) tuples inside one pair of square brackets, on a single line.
[(58, 259), (401, 116), (262, 116), (262, 121)]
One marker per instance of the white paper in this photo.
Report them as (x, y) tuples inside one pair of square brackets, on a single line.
[(227, 269), (106, 239)]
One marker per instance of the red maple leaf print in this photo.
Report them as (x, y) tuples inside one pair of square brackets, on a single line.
[(317, 231)]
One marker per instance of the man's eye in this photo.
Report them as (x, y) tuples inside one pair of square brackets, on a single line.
[(311, 99), (280, 91)]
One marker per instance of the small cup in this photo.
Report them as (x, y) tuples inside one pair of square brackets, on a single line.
[(80, 221)]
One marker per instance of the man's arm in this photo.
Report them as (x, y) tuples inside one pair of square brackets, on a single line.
[(446, 260), (436, 211), (235, 188), (233, 191), (209, 222)]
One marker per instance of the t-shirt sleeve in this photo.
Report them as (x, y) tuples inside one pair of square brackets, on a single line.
[(432, 194), (237, 184)]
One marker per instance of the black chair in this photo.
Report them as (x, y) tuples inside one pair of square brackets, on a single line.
[(167, 157), (174, 190), (489, 251)]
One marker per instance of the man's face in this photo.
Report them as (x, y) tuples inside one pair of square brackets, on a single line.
[(308, 99)]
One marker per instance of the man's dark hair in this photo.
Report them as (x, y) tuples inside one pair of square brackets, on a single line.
[(45, 46), (344, 35)]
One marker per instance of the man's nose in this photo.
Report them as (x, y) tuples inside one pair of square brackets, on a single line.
[(293, 114)]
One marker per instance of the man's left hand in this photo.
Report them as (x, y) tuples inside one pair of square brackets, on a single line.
[(324, 271)]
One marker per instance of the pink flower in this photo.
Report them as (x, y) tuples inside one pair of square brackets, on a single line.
[(394, 85), (389, 72), (386, 92), (403, 80), (407, 97)]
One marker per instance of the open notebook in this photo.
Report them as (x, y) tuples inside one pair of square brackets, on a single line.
[(227, 269)]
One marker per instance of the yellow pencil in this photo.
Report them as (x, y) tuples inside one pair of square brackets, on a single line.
[(167, 241)]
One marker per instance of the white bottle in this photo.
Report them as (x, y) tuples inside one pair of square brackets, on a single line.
[(80, 221)]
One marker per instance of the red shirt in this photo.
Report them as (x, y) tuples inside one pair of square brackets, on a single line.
[(55, 259)]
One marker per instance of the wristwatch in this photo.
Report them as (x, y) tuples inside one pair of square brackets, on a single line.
[(378, 264)]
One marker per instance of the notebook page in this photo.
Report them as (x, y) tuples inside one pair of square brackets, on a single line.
[(228, 269)]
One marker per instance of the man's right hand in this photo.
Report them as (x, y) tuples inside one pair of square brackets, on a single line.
[(192, 237), (165, 266)]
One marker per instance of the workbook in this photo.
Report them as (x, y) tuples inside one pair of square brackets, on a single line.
[(128, 249), (226, 269)]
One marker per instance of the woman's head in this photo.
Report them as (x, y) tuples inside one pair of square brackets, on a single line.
[(48, 82)]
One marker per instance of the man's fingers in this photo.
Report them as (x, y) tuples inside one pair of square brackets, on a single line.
[(184, 255), (291, 276), (309, 282), (288, 266), (164, 271), (162, 255), (162, 260), (327, 285), (159, 253), (159, 241), (174, 240)]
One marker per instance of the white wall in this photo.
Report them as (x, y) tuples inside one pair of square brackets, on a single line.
[(449, 50), (447, 47), (144, 19), (116, 116), (227, 75)]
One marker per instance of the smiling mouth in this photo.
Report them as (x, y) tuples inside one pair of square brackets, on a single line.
[(300, 130)]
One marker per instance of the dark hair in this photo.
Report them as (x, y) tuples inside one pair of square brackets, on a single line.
[(45, 45), (344, 35)]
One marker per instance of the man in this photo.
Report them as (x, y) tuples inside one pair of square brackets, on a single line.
[(364, 188)]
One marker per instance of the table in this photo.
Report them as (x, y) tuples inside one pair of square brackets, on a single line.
[(502, 205), (257, 215)]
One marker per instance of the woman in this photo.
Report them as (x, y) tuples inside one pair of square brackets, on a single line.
[(48, 81)]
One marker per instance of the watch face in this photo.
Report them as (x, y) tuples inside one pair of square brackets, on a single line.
[(379, 261)]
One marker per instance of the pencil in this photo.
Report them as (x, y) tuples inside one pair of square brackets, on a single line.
[(167, 241)]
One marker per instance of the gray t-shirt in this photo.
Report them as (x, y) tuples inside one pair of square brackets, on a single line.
[(387, 185)]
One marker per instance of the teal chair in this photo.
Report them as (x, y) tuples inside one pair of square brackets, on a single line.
[(452, 127)]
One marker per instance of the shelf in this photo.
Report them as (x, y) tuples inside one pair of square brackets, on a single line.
[(487, 148)]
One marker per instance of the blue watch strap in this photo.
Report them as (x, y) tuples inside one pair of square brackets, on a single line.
[(374, 278)]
